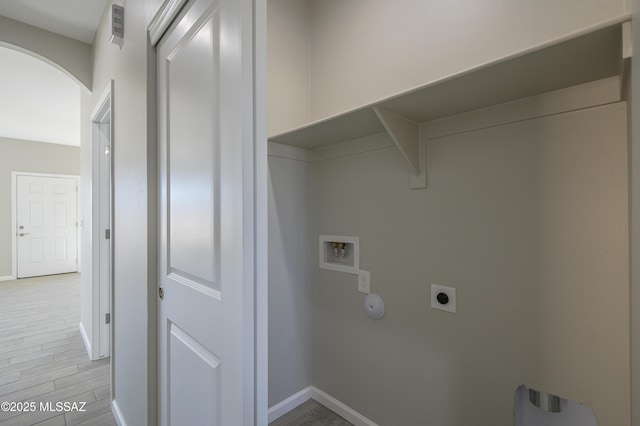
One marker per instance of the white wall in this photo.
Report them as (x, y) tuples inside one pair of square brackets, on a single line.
[(134, 157), (529, 222), (289, 303), (28, 156)]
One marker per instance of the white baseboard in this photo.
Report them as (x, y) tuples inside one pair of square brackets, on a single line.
[(339, 408), (117, 414), (85, 339), (312, 392), (283, 407), (7, 278)]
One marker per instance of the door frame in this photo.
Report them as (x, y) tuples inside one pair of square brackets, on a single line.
[(254, 34), (14, 214), (102, 113)]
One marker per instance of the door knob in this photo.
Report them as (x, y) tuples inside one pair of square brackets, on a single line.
[(22, 234)]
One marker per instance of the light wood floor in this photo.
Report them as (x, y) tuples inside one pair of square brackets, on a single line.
[(310, 413), (43, 358)]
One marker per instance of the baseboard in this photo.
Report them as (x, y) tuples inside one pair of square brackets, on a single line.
[(312, 392), (85, 339), (117, 414), (7, 278), (283, 407), (339, 408)]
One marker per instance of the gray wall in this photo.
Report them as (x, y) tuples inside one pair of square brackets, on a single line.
[(529, 222), (28, 156), (289, 304)]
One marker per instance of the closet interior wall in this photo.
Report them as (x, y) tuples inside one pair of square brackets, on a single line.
[(527, 218)]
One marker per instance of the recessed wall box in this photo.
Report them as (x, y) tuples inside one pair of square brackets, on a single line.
[(339, 253)]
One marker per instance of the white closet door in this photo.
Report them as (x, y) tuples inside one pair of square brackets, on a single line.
[(206, 296)]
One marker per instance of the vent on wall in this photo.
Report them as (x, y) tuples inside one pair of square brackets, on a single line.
[(117, 24)]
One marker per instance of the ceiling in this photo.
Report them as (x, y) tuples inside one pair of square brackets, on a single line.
[(77, 19)]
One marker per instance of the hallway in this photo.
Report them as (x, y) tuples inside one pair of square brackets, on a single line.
[(42, 356)]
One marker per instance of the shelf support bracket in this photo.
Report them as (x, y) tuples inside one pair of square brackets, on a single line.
[(405, 134)]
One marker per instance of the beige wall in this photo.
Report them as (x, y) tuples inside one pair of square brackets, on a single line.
[(364, 50), (529, 222), (289, 313), (71, 56), (634, 191), (134, 205), (288, 64), (360, 51), (27, 156), (329, 56)]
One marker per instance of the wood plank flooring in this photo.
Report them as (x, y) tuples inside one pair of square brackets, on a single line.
[(42, 356), (310, 413)]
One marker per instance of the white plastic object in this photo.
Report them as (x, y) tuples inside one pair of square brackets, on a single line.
[(364, 282), (374, 306), (450, 292)]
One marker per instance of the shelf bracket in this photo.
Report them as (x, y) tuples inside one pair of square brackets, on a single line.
[(405, 134)]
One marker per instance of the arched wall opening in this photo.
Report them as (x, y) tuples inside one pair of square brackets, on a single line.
[(70, 56)]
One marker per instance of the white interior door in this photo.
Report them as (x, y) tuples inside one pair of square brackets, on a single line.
[(47, 232), (206, 339)]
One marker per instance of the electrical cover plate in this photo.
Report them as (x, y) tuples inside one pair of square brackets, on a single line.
[(450, 292), (364, 282)]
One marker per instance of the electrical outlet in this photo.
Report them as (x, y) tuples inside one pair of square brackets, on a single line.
[(443, 298), (364, 282)]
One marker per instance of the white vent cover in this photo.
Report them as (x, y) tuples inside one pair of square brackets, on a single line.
[(117, 24)]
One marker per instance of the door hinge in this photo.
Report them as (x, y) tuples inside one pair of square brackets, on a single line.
[(107, 318), (107, 234)]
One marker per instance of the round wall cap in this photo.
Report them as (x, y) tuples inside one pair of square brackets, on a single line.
[(374, 306)]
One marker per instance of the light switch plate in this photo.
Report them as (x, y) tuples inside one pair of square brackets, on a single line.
[(364, 282), (449, 296)]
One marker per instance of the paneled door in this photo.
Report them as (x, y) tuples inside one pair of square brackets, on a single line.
[(205, 135), (46, 225)]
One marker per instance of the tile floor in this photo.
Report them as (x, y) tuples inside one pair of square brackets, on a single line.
[(43, 358)]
